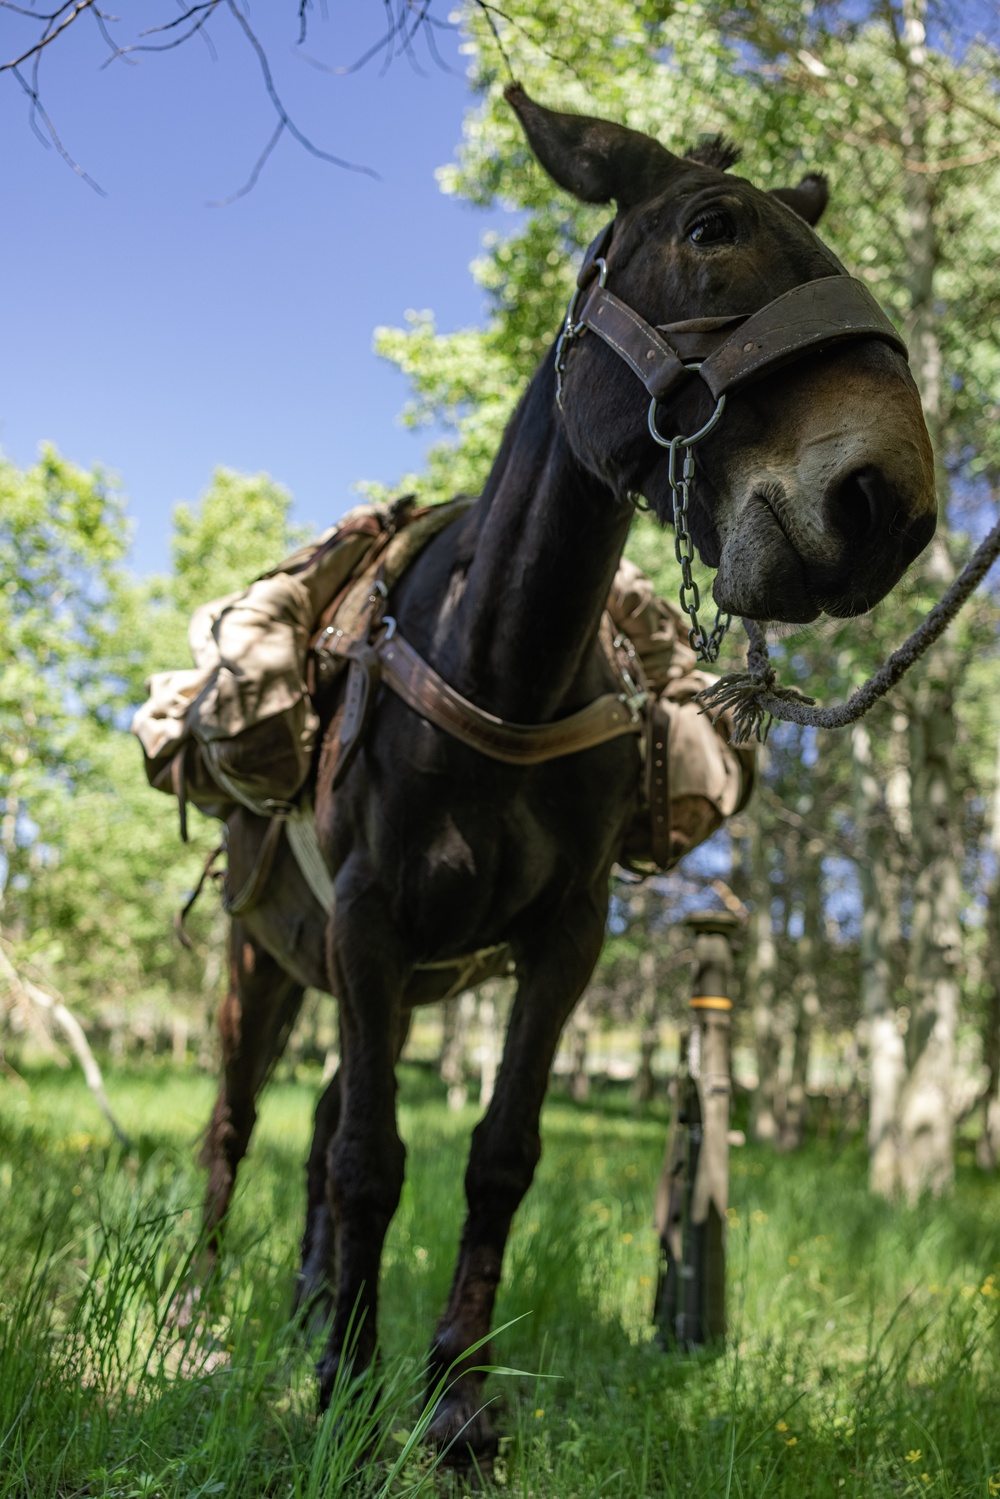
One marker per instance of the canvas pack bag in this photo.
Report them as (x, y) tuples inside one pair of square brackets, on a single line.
[(239, 727)]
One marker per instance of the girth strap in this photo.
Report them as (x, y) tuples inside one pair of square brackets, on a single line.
[(253, 887), (427, 693)]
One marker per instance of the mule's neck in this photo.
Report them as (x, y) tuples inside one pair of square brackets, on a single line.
[(549, 543)]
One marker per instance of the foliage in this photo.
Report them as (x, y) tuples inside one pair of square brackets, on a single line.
[(94, 866), (863, 1351)]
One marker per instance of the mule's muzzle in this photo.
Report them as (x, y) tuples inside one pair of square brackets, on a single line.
[(879, 536)]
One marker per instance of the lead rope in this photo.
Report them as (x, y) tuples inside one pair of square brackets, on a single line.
[(756, 698)]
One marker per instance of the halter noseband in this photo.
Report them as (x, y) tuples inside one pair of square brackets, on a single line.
[(725, 352)]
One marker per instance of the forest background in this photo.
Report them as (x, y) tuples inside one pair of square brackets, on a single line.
[(866, 867)]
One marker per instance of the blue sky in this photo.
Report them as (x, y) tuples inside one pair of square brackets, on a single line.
[(161, 337)]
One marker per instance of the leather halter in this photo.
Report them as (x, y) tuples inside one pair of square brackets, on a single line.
[(732, 350)]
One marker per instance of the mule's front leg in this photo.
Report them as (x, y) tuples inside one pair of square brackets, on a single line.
[(366, 1155), (553, 970), (314, 1288)]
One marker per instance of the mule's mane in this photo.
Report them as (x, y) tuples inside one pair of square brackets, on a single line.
[(715, 151)]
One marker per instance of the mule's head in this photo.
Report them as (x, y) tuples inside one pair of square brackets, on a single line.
[(816, 490)]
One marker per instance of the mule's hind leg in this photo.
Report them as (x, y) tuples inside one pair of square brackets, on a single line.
[(255, 1019), (553, 969)]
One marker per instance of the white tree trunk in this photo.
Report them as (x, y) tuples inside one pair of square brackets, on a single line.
[(761, 984), (886, 1056), (926, 1123)]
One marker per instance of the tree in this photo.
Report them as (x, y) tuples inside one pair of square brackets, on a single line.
[(93, 866)]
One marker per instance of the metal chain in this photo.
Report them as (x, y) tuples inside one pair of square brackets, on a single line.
[(705, 647)]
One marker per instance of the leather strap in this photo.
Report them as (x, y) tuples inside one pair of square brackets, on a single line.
[(253, 887), (817, 314), (595, 251), (362, 676), (179, 785), (428, 694), (658, 781), (634, 340)]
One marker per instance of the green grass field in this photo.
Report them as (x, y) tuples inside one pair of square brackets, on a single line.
[(864, 1356)]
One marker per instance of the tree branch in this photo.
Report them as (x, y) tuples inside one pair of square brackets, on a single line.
[(31, 994), (281, 111)]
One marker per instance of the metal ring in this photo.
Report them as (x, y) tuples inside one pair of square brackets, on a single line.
[(687, 442)]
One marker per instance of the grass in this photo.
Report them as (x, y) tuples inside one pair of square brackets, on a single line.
[(864, 1356)]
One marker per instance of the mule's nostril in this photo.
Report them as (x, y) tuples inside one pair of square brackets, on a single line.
[(855, 504)]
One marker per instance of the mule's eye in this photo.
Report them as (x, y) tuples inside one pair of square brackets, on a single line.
[(712, 229)]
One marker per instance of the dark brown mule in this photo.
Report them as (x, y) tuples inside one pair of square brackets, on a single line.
[(814, 492)]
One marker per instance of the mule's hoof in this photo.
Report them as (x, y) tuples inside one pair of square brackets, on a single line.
[(463, 1432), (327, 1371), (312, 1311)]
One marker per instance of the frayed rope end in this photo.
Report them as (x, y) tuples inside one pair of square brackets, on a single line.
[(740, 694)]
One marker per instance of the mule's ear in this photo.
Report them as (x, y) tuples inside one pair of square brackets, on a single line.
[(595, 160), (808, 199)]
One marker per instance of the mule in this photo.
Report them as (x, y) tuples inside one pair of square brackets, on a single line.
[(814, 493)]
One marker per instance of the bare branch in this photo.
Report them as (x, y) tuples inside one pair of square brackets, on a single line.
[(47, 36), (38, 108), (354, 67), (34, 15), (186, 14), (487, 11), (102, 27), (390, 34), (493, 10), (31, 996), (207, 9), (282, 113), (251, 181), (432, 48), (407, 36)]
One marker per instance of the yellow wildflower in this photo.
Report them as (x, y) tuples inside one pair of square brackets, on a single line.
[(994, 1484), (914, 1455), (757, 1216), (793, 1260), (626, 1238), (791, 1441), (781, 1425), (539, 1413)]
